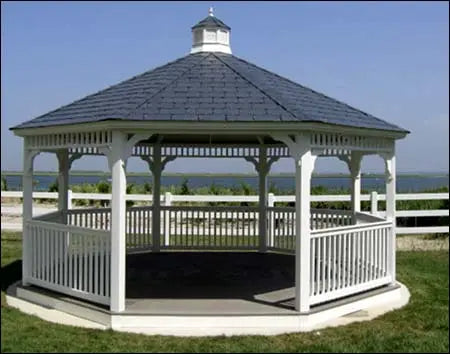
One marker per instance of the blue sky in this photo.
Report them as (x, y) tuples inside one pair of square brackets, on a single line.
[(390, 59)]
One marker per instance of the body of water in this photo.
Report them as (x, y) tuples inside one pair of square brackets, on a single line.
[(405, 183)]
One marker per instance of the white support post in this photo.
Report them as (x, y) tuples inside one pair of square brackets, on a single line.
[(355, 172), (69, 199), (117, 160), (156, 165), (27, 207), (300, 150), (262, 166), (270, 204), (303, 171), (389, 159), (118, 153), (262, 172), (63, 182), (156, 213), (167, 202), (374, 203)]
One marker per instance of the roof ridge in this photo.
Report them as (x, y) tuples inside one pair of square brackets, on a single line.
[(169, 84), (254, 85), (316, 92), (105, 89)]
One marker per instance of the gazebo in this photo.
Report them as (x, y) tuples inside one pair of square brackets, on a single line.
[(210, 103)]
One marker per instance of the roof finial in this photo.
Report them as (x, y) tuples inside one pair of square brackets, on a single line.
[(211, 11)]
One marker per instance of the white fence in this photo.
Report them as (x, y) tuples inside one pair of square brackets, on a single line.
[(69, 259), (349, 259), (167, 199)]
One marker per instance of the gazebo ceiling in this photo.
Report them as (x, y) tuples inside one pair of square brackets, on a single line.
[(209, 86), (206, 139)]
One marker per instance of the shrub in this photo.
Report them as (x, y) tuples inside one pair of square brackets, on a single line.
[(129, 190), (103, 187), (147, 188), (185, 187), (4, 184), (54, 186)]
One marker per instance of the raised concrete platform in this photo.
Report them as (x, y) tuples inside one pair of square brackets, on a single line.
[(204, 317), (203, 294)]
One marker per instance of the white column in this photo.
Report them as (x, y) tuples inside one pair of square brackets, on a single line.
[(355, 173), (118, 213), (167, 202), (271, 203), (374, 203), (262, 172), (156, 213), (63, 181), (304, 165), (390, 206), (27, 207), (300, 150)]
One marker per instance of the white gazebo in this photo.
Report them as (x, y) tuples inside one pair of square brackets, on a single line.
[(210, 104)]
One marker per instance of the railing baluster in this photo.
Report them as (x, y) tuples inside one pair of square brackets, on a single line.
[(91, 263), (102, 256), (85, 262), (313, 267), (329, 264), (376, 251), (69, 244), (107, 267)]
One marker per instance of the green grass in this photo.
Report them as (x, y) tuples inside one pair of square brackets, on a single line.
[(421, 326)]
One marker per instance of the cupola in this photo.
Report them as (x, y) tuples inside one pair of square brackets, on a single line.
[(211, 35)]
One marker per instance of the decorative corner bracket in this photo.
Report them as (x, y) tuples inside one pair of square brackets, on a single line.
[(388, 165), (152, 165), (29, 158), (353, 162), (299, 147), (126, 151)]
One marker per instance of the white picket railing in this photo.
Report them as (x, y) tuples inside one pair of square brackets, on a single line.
[(349, 253), (138, 227), (281, 228), (221, 227), (349, 259), (374, 197), (210, 227), (92, 218), (69, 259), (281, 224)]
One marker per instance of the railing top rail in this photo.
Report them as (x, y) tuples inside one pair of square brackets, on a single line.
[(93, 210), (139, 208), (209, 208), (313, 210), (368, 217), (349, 228), (283, 208), (47, 215), (331, 211), (214, 198), (68, 228)]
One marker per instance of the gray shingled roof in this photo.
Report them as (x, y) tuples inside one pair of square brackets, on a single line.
[(209, 87), (211, 21)]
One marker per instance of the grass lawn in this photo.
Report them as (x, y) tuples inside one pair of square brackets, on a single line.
[(421, 326)]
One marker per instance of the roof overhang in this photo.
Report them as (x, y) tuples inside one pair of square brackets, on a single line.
[(216, 128)]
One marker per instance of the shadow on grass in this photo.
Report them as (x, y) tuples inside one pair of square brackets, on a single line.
[(11, 273)]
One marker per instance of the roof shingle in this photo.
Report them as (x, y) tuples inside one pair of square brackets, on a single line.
[(209, 87)]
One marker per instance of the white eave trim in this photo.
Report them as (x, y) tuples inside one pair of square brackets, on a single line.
[(189, 127)]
